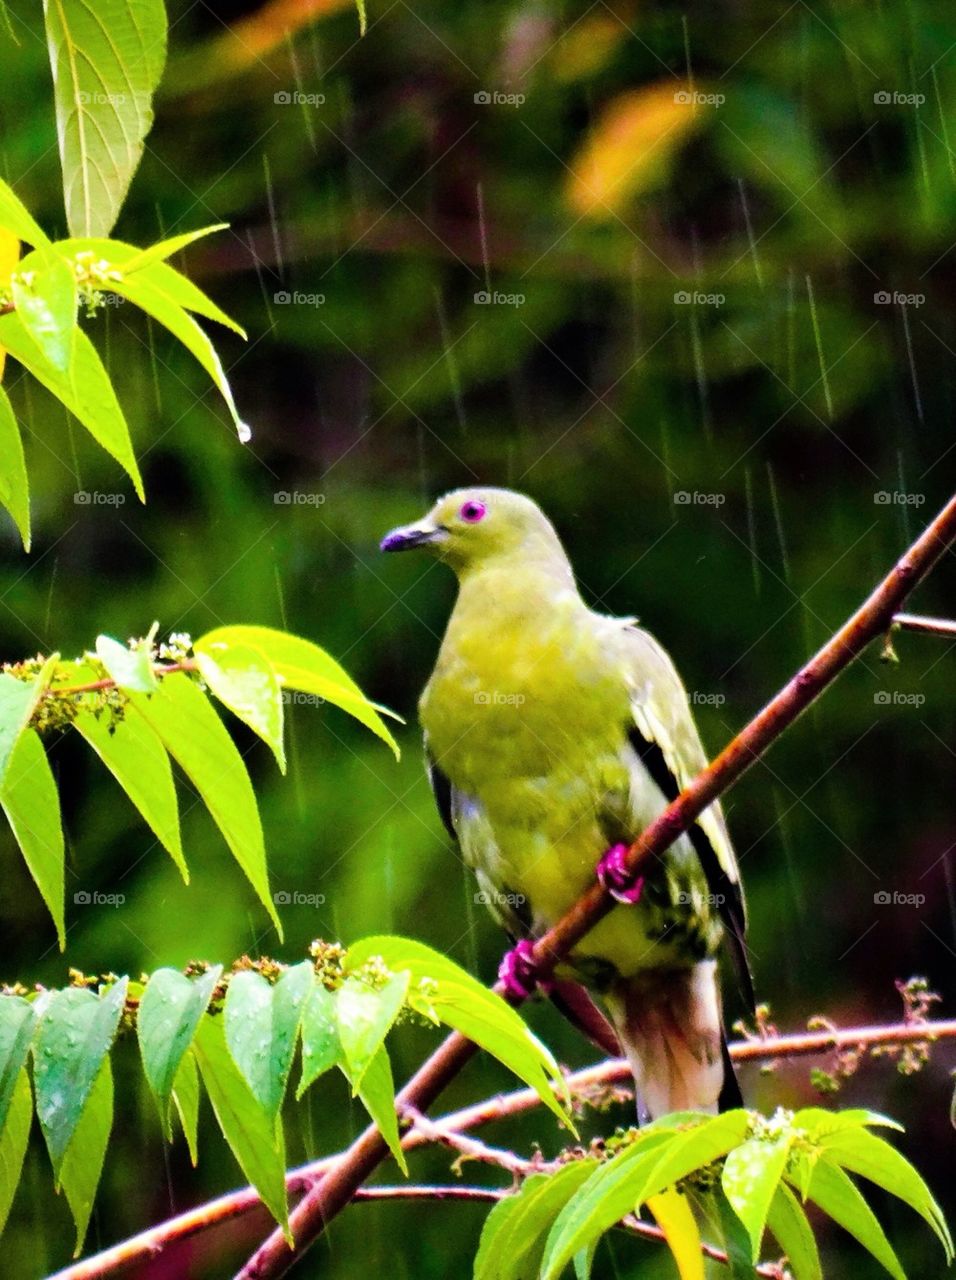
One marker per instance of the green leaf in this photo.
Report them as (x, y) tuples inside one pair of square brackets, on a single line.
[(14, 486), (44, 294), (14, 1136), (16, 1031), (29, 798), (873, 1158), (750, 1177), (169, 1013), (83, 1162), (302, 665), (254, 1139), (138, 761), (18, 701), (245, 680), (186, 1098), (107, 60), (262, 1026), (16, 217), (85, 388), (377, 1091), (195, 737), (365, 1016), (793, 1233), (128, 258), (74, 1036), (830, 1188), (321, 1048), (817, 1122), (513, 1236), (164, 249), (460, 1001), (143, 289), (132, 669), (660, 1158)]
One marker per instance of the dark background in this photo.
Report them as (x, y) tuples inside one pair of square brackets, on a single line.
[(786, 398)]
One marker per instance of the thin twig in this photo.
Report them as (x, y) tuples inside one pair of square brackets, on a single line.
[(94, 686), (932, 626), (333, 1193)]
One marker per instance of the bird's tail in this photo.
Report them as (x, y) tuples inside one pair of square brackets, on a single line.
[(670, 1026)]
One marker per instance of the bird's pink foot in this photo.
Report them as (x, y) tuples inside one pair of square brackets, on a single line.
[(517, 971), (617, 880)]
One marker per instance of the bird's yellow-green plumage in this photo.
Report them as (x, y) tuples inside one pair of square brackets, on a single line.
[(554, 732)]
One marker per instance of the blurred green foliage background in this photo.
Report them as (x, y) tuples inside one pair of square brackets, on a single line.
[(737, 469)]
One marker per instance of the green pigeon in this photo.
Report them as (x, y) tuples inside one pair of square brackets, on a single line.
[(554, 735)]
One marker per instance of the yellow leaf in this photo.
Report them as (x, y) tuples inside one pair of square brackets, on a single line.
[(630, 148), (676, 1219), (9, 257)]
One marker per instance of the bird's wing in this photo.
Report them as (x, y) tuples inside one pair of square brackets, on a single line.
[(665, 737)]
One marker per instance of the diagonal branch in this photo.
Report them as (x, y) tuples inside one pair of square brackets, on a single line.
[(872, 619)]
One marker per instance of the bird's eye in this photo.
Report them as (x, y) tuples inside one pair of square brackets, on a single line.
[(472, 511)]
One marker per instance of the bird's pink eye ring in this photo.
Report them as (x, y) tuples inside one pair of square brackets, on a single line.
[(473, 511)]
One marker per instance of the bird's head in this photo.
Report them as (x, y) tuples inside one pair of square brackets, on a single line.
[(472, 528)]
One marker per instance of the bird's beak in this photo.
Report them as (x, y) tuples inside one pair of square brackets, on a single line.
[(413, 535)]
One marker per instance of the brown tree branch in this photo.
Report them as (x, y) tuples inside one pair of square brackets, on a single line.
[(931, 626), (871, 620), (581, 1084)]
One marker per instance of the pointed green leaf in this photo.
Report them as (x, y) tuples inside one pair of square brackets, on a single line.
[(302, 665), (750, 1177), (460, 1001), (794, 1235), (14, 1136), (16, 217), (244, 679), (321, 1048), (169, 1013), (83, 1162), (262, 1027), (44, 294), (164, 249), (142, 289), (16, 1031), (377, 1091), (831, 1189), (186, 1098), (873, 1158), (817, 1122), (85, 389), (18, 700), (512, 1240), (14, 486), (195, 737), (365, 1016), (139, 762), (73, 1039), (106, 65), (29, 798), (132, 669), (254, 1139)]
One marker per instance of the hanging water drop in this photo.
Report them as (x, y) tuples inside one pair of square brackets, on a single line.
[(244, 431)]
